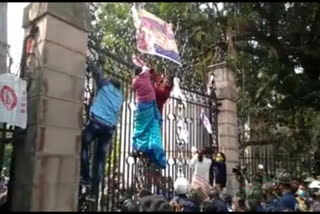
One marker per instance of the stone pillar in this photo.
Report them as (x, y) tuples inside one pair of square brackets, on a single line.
[(3, 62), (227, 120), (48, 161), (3, 36)]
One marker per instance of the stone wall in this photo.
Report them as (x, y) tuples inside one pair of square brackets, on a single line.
[(48, 162), (227, 120)]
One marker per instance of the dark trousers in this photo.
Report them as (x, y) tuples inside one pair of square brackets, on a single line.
[(103, 134)]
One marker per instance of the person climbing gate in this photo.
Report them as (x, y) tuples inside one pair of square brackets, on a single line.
[(162, 86), (147, 137), (104, 114)]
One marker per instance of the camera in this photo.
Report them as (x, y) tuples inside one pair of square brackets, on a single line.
[(235, 170), (238, 170)]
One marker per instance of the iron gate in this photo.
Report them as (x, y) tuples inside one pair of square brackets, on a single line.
[(122, 168), (275, 162)]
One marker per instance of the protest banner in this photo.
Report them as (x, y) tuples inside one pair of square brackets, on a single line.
[(155, 36)]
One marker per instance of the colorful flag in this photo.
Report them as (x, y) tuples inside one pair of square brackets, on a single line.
[(154, 36), (206, 122)]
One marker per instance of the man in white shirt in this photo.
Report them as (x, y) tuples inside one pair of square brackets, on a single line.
[(201, 163)]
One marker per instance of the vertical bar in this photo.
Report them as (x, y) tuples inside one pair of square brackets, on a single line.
[(119, 148), (266, 160), (185, 117), (128, 136), (172, 143), (110, 182), (191, 128), (124, 131), (132, 98), (2, 145)]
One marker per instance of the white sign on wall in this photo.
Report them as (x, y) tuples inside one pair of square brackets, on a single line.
[(13, 100)]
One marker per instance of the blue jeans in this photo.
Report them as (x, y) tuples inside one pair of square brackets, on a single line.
[(103, 134)]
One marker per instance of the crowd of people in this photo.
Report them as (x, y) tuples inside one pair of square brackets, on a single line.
[(282, 194), (207, 191)]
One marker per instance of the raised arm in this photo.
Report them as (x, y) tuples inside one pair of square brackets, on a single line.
[(193, 160), (155, 77), (97, 75)]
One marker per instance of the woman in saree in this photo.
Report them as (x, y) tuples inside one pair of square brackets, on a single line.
[(147, 137)]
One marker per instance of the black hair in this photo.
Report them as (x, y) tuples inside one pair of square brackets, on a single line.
[(155, 203), (242, 202), (207, 206), (241, 199), (115, 83), (170, 79), (214, 194), (130, 205), (137, 70), (144, 193), (209, 150), (251, 205), (205, 152), (200, 156), (294, 186), (286, 186), (227, 198)]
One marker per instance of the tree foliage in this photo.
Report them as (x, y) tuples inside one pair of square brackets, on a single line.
[(273, 40)]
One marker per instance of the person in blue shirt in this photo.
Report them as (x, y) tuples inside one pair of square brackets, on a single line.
[(227, 198), (270, 200), (104, 114), (287, 201)]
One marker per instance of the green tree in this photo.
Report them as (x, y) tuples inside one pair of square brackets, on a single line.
[(273, 40)]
